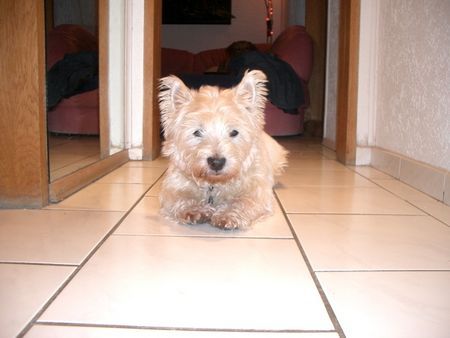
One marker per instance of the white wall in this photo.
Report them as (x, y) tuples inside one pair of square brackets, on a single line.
[(367, 80), (403, 80), (134, 78), (413, 82), (249, 24), (116, 74)]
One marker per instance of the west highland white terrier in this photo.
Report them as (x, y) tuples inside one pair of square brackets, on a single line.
[(221, 162)]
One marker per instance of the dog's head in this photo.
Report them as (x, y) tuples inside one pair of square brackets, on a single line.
[(211, 133)]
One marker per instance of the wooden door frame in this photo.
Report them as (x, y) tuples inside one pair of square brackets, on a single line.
[(23, 137), (316, 17), (347, 87), (103, 71), (152, 72)]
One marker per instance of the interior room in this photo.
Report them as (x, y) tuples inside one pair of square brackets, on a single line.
[(358, 241)]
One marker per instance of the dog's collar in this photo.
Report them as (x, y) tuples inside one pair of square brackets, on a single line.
[(210, 198)]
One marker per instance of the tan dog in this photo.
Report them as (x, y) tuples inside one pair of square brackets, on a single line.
[(222, 163)]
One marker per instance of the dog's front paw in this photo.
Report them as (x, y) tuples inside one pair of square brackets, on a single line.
[(194, 216), (229, 221)]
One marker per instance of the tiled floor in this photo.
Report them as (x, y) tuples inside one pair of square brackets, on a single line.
[(350, 252)]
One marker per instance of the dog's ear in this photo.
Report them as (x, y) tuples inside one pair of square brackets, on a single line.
[(173, 94), (252, 92)]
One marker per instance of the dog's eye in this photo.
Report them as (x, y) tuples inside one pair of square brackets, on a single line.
[(234, 133), (197, 133)]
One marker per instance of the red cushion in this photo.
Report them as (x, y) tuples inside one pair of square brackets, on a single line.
[(176, 61), (78, 114), (295, 46)]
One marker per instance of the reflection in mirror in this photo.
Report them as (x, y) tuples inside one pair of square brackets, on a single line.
[(72, 85)]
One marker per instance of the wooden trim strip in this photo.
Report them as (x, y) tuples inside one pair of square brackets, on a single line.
[(347, 81), (103, 31), (152, 71), (23, 140)]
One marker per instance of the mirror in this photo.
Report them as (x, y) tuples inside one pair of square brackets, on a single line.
[(74, 120)]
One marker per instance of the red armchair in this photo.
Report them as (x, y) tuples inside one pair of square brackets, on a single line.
[(78, 114)]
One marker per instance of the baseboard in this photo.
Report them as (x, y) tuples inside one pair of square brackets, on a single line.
[(67, 185), (424, 177), (363, 155)]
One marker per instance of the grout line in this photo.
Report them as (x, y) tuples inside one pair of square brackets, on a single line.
[(204, 236), (37, 263), (188, 329), (322, 294), (82, 209), (384, 270), (350, 214), (83, 263)]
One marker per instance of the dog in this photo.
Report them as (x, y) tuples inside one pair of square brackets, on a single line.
[(222, 165)]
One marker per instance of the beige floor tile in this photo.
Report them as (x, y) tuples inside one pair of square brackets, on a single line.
[(160, 162), (144, 219), (294, 177), (307, 155), (390, 304), (423, 201), (370, 172), (436, 209), (296, 143), (364, 242), (24, 289), (314, 164), (403, 190), (52, 236), (47, 331), (155, 189), (193, 283), (329, 154), (101, 196), (147, 175), (343, 200)]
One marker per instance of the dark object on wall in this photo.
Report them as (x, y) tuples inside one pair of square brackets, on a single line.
[(197, 12)]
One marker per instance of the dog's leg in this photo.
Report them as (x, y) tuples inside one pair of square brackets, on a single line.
[(241, 211), (185, 206)]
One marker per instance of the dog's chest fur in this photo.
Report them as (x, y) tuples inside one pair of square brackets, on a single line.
[(215, 194)]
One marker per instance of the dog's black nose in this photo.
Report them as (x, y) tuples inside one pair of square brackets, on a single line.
[(216, 163)]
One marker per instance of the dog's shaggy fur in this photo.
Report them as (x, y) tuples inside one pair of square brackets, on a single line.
[(222, 164)]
